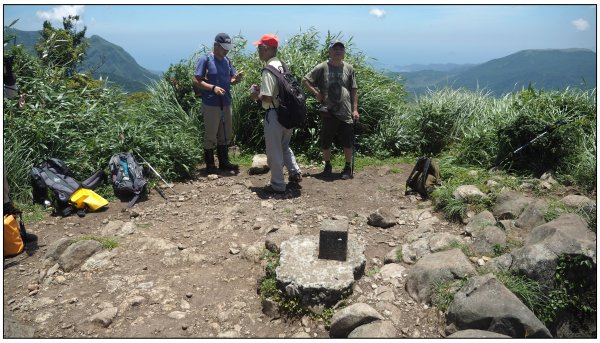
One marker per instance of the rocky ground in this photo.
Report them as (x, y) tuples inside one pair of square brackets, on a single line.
[(189, 267)]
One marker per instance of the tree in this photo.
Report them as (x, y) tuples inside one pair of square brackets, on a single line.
[(62, 48)]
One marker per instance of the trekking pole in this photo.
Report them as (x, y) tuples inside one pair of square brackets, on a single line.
[(548, 130), (155, 172), (223, 121), (353, 146)]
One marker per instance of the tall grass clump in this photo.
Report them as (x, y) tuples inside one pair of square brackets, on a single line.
[(568, 149), (379, 96), (462, 122), (84, 122)]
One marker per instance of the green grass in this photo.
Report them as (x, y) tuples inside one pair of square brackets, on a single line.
[(399, 255), (443, 293), (107, 243), (372, 271), (32, 212), (465, 248)]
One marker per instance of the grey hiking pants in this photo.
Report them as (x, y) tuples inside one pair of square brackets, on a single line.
[(279, 153), (213, 128)]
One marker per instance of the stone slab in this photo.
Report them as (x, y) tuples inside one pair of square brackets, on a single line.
[(311, 280)]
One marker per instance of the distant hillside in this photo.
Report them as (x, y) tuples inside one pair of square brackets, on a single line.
[(113, 62), (104, 59), (547, 69), (544, 69), (446, 67)]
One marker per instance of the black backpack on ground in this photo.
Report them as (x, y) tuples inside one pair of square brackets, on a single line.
[(424, 177), (127, 177), (292, 102), (51, 181)]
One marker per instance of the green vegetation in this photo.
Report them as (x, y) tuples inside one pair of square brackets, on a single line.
[(542, 69), (443, 292), (574, 289), (557, 208), (372, 271), (102, 59), (107, 243), (464, 247), (72, 116)]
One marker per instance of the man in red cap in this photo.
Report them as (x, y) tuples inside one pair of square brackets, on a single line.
[(215, 74), (277, 137), (333, 83)]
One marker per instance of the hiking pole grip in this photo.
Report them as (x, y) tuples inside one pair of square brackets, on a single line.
[(155, 172)]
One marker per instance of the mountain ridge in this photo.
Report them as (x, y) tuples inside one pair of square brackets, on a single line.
[(103, 59), (540, 68)]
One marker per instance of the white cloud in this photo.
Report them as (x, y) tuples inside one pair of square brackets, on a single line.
[(56, 14), (377, 13), (581, 24)]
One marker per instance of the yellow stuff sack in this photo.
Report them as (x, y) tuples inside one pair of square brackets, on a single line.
[(83, 197), (13, 242)]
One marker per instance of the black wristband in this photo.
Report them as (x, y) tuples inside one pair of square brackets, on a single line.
[(213, 89)]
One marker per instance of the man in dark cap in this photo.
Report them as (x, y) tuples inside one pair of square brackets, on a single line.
[(333, 83), (215, 74)]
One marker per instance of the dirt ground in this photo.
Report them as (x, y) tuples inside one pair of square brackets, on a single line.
[(185, 269)]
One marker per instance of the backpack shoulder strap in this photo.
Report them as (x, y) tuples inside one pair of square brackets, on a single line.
[(424, 174), (272, 69)]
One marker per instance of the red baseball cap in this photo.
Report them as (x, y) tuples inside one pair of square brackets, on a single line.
[(268, 39)]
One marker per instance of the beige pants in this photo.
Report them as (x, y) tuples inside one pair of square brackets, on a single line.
[(213, 126)]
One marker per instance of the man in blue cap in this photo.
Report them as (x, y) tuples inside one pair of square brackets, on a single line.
[(215, 74), (333, 83)]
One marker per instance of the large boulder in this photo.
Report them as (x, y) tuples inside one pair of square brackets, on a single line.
[(481, 220), (576, 201), (509, 205), (259, 165), (376, 329), (487, 238), (538, 258), (346, 320), (383, 217), (56, 249), (533, 215), (77, 253), (471, 333), (438, 267), (13, 328), (484, 303)]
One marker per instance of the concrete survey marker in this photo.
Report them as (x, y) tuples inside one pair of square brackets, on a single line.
[(333, 240), (303, 275)]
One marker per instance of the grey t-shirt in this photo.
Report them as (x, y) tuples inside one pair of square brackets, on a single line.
[(335, 83)]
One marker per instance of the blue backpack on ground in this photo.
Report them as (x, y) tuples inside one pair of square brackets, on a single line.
[(127, 177)]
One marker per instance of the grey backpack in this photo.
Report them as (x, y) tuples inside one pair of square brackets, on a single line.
[(127, 177)]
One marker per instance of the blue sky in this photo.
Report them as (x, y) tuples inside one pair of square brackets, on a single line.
[(160, 35)]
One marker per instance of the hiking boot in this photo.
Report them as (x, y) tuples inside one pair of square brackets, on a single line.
[(296, 177), (30, 237), (327, 171), (209, 159), (223, 155), (347, 173), (271, 190)]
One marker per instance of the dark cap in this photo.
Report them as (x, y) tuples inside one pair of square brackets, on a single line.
[(224, 41), (337, 42)]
